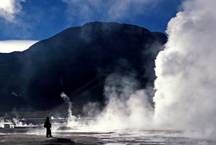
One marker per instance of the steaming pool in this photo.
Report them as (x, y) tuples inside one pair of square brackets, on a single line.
[(123, 137)]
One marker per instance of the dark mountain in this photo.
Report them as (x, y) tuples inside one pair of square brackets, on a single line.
[(76, 61)]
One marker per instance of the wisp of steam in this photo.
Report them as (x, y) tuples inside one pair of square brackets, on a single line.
[(71, 119)]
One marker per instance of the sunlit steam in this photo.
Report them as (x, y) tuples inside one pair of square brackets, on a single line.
[(127, 106), (186, 78)]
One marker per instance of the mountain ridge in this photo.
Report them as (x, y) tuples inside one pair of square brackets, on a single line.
[(72, 58)]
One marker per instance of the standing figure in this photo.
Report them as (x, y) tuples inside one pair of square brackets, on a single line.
[(48, 126)]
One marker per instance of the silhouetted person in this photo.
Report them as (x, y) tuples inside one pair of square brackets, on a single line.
[(48, 126)]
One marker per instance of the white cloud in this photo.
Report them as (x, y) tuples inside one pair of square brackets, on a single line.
[(110, 9), (8, 46), (10, 8), (122, 8)]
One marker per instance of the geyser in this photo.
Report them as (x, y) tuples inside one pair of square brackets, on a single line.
[(185, 69)]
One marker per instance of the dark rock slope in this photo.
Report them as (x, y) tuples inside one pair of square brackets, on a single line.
[(76, 61)]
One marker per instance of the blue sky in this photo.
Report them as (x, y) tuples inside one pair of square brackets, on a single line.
[(40, 19)]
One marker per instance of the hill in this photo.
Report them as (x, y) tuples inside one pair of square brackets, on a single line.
[(77, 61)]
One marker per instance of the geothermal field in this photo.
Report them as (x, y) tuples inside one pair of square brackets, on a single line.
[(106, 79), (111, 127), (105, 129)]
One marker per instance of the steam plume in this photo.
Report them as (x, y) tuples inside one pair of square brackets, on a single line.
[(127, 106), (185, 70)]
